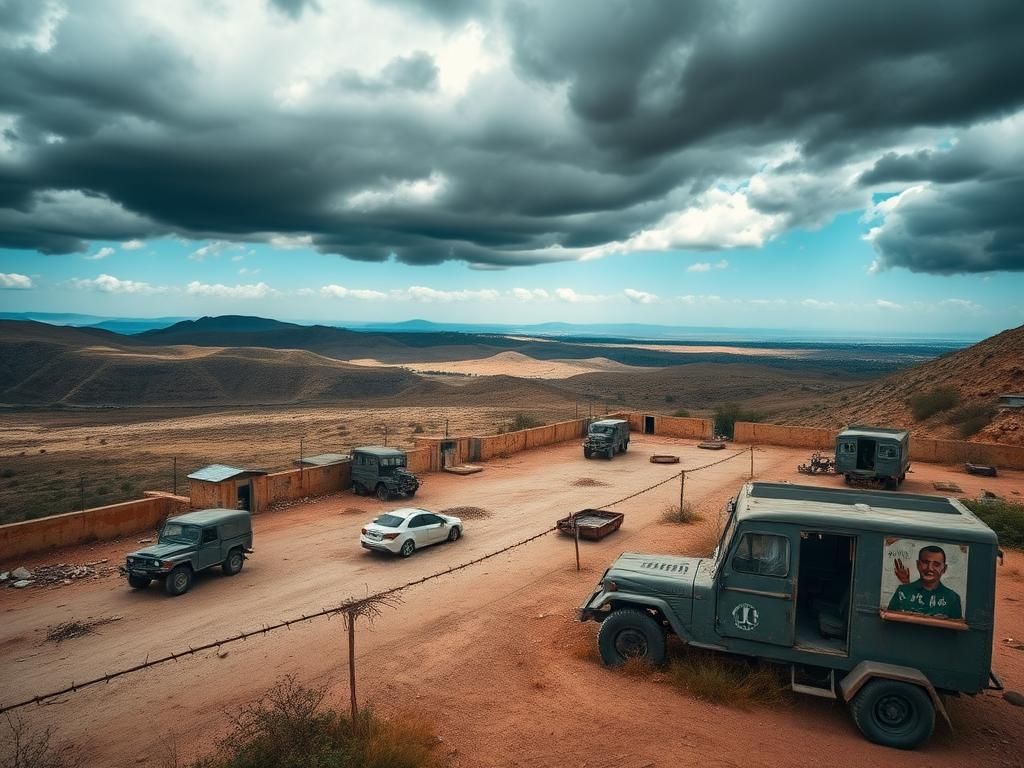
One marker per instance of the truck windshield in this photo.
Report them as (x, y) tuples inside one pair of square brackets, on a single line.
[(176, 533), (723, 543), (601, 430)]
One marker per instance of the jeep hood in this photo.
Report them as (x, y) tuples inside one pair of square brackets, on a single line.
[(660, 574), (161, 551)]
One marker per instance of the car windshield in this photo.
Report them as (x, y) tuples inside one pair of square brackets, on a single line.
[(177, 533), (390, 521)]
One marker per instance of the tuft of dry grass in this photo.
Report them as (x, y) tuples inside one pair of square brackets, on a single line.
[(636, 667), (724, 680), (674, 515), (22, 746), (703, 544), (68, 630)]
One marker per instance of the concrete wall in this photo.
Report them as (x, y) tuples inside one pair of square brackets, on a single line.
[(925, 449), (678, 426), (98, 524), (506, 444)]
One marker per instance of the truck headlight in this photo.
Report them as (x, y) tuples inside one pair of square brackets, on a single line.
[(610, 586)]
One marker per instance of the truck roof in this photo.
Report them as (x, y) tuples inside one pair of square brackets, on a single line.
[(379, 450), (859, 430), (908, 514), (208, 516), (608, 422)]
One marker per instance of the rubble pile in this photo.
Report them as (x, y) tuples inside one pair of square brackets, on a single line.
[(59, 573)]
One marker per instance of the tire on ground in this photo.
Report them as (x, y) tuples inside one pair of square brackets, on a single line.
[(631, 632), (178, 581), (893, 713)]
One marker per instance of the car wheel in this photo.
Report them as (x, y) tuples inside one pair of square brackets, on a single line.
[(454, 533), (233, 563), (894, 714), (408, 548), (178, 581), (587, 453), (631, 633), (382, 492), (138, 582)]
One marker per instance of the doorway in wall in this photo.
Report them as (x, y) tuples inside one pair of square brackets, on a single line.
[(648, 425), (244, 499)]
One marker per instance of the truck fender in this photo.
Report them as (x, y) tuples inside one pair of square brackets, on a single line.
[(868, 670), (642, 601)]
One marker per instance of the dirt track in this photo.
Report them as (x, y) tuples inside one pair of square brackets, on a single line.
[(492, 650)]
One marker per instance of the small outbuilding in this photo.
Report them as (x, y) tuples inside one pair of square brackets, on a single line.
[(221, 486)]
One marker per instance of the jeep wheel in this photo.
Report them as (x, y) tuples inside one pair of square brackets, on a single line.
[(138, 582), (233, 563), (358, 489), (454, 533), (610, 453), (893, 713), (178, 581), (631, 633), (382, 492), (587, 453), (407, 549), (624, 448)]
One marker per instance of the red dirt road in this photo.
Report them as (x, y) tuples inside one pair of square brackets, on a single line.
[(492, 650)]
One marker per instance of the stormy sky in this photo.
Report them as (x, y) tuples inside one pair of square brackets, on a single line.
[(497, 135)]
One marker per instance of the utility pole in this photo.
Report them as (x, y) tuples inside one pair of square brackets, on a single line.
[(446, 427), (385, 435), (682, 487), (81, 490), (751, 462), (174, 472), (302, 466)]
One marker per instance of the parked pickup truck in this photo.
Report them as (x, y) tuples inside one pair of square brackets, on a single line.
[(883, 600), (606, 438), (188, 544)]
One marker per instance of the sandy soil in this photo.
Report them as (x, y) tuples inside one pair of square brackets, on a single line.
[(493, 650), (513, 364), (690, 348)]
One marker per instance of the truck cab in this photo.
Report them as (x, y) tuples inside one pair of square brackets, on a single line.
[(606, 438), (381, 471), (874, 454), (879, 599)]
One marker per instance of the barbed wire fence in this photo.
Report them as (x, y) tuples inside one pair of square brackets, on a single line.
[(351, 608)]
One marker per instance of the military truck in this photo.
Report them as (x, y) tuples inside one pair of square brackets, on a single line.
[(381, 471), (874, 454), (880, 599), (606, 438), (188, 544)]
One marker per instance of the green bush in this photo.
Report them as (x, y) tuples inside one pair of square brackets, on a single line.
[(727, 415), (1004, 517), (682, 413), (925, 404), (522, 421), (971, 419)]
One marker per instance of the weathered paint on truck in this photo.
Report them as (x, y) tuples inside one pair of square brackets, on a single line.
[(873, 453)]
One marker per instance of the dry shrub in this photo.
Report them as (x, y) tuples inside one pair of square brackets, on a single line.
[(723, 680), (637, 667), (22, 746), (584, 648), (676, 515)]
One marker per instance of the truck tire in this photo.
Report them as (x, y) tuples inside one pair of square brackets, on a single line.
[(631, 633), (358, 489), (625, 447), (382, 492), (587, 453), (610, 453), (178, 581), (138, 582), (233, 562), (893, 713)]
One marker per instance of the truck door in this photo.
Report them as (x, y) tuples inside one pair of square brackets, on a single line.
[(755, 589)]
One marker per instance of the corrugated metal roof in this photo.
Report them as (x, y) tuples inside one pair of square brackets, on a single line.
[(378, 450), (216, 473), (325, 458)]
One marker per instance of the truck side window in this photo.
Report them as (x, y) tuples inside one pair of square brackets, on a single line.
[(848, 447), (763, 554), (887, 451), (209, 535)]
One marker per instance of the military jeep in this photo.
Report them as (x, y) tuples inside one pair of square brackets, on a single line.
[(381, 471), (191, 543), (606, 438), (821, 580)]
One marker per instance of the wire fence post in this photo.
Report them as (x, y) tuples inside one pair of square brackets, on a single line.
[(385, 435), (576, 537), (682, 488), (174, 473), (81, 490), (350, 625), (302, 466), (751, 462)]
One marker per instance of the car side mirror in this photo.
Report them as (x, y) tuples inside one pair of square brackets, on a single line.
[(444, 523)]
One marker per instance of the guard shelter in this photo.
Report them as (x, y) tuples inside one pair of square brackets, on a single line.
[(224, 487)]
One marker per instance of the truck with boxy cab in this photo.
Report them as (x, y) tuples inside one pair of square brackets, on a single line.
[(882, 600), (873, 454), (606, 438), (381, 471)]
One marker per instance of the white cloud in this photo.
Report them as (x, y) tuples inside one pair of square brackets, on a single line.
[(962, 305), (403, 193), (341, 292), (132, 245), (530, 294), (102, 253), (111, 284), (250, 291), (700, 299), (816, 304), (706, 266), (15, 282), (247, 271), (210, 250), (640, 297), (424, 294), (291, 242), (237, 257), (768, 302), (883, 304), (570, 296)]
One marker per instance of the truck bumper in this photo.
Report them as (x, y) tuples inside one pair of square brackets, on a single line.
[(591, 610)]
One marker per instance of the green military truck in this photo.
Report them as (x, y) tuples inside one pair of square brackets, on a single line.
[(874, 454), (880, 599), (191, 543), (606, 438), (381, 471)]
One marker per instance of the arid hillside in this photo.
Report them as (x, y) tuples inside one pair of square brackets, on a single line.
[(953, 396)]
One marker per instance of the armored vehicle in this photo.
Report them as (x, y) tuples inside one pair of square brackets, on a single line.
[(606, 438), (880, 599), (190, 543), (874, 454), (381, 471)]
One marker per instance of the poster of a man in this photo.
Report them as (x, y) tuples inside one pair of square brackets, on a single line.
[(941, 584)]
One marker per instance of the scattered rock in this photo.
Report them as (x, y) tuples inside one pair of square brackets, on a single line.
[(5, 575), (222, 653), (22, 583), (22, 573), (1014, 697)]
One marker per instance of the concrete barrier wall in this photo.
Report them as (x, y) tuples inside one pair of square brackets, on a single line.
[(678, 426), (778, 434), (418, 460), (508, 443), (98, 524), (294, 484)]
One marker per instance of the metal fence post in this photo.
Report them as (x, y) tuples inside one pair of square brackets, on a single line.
[(682, 487), (751, 462), (174, 472), (576, 531)]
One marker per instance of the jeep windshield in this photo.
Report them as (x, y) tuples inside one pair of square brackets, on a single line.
[(723, 543), (176, 533), (389, 465), (390, 521), (602, 430)]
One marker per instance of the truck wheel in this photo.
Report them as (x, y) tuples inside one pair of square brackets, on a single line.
[(407, 549), (382, 492), (587, 453), (358, 490), (610, 452), (178, 581), (624, 448), (138, 582), (631, 633), (890, 483), (233, 563), (894, 714)]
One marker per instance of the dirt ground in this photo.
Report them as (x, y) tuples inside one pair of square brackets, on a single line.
[(492, 651)]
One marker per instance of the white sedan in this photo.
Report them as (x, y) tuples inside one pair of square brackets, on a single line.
[(403, 531)]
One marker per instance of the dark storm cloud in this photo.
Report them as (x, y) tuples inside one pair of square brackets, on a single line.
[(662, 101)]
